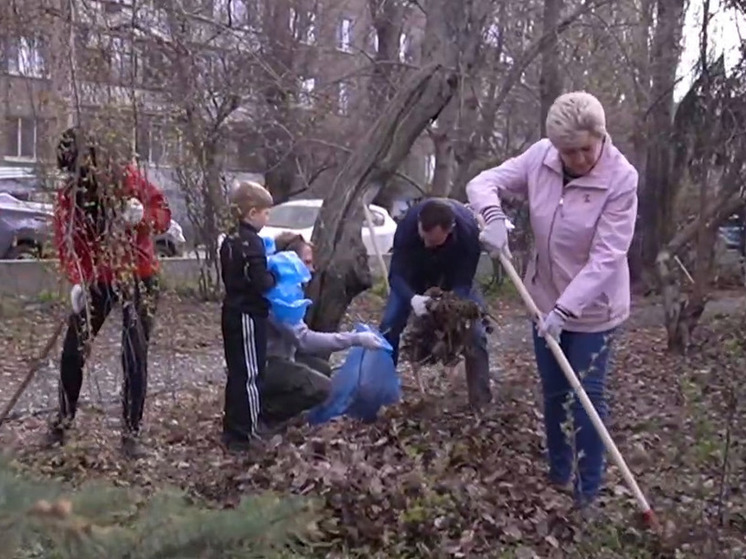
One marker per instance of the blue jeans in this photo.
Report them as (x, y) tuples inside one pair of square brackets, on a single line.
[(477, 361), (588, 353)]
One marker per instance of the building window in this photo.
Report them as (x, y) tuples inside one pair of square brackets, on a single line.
[(344, 38), (24, 58), (373, 40), (155, 63), (343, 100), (492, 35), (307, 87), (309, 36), (122, 60), (20, 139), (429, 167), (234, 12), (404, 47), (303, 27), (152, 142)]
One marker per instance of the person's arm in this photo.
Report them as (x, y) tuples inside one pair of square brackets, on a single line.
[(255, 269), (611, 243), (509, 179), (400, 266), (64, 237), (157, 213), (310, 341)]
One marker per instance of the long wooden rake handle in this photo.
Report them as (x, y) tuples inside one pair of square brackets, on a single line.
[(648, 514), (36, 364)]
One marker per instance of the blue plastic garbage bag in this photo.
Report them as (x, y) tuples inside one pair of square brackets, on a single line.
[(289, 313), (367, 381), (288, 268), (287, 299), (269, 245)]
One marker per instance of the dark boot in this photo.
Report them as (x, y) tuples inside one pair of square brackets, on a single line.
[(265, 430), (55, 436), (57, 432), (477, 368), (238, 445), (132, 446)]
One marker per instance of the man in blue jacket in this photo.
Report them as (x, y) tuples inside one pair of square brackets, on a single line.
[(437, 244)]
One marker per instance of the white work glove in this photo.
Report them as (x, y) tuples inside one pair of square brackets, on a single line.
[(419, 304), (133, 211), (369, 340), (553, 324), (77, 298), (494, 235)]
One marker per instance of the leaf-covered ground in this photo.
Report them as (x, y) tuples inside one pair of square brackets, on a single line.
[(430, 479)]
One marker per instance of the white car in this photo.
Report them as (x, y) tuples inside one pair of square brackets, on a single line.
[(299, 216)]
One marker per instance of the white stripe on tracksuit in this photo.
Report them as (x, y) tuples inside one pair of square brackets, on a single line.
[(252, 369)]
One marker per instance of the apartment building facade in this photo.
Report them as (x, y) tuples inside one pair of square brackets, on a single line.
[(116, 66)]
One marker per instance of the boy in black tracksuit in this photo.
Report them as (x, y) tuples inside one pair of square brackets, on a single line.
[(243, 263)]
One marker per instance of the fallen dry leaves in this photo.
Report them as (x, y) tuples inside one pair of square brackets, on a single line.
[(431, 478)]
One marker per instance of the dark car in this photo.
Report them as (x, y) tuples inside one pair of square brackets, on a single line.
[(25, 229), (733, 235)]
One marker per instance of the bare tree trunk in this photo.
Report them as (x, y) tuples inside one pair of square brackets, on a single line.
[(550, 82), (658, 192), (388, 19), (279, 149), (444, 156), (342, 271)]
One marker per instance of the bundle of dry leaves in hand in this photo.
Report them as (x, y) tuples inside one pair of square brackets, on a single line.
[(444, 334)]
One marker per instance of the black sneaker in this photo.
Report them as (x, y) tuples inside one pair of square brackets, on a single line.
[(235, 444), (55, 436), (132, 447), (266, 430), (57, 432)]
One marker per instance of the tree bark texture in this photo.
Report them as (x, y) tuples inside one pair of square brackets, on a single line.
[(343, 270), (550, 82), (658, 190)]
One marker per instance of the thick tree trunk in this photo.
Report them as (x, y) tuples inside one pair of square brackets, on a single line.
[(682, 312), (342, 266), (441, 137), (388, 19), (658, 189), (550, 82), (280, 128)]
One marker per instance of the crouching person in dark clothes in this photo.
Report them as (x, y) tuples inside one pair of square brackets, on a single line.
[(291, 386), (437, 244), (243, 263), (105, 216)]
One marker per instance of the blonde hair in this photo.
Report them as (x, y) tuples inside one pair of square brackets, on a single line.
[(572, 114), (249, 195)]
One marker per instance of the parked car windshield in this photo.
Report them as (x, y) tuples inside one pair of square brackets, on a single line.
[(292, 217)]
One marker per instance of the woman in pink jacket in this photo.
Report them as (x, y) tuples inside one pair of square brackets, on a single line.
[(582, 197)]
